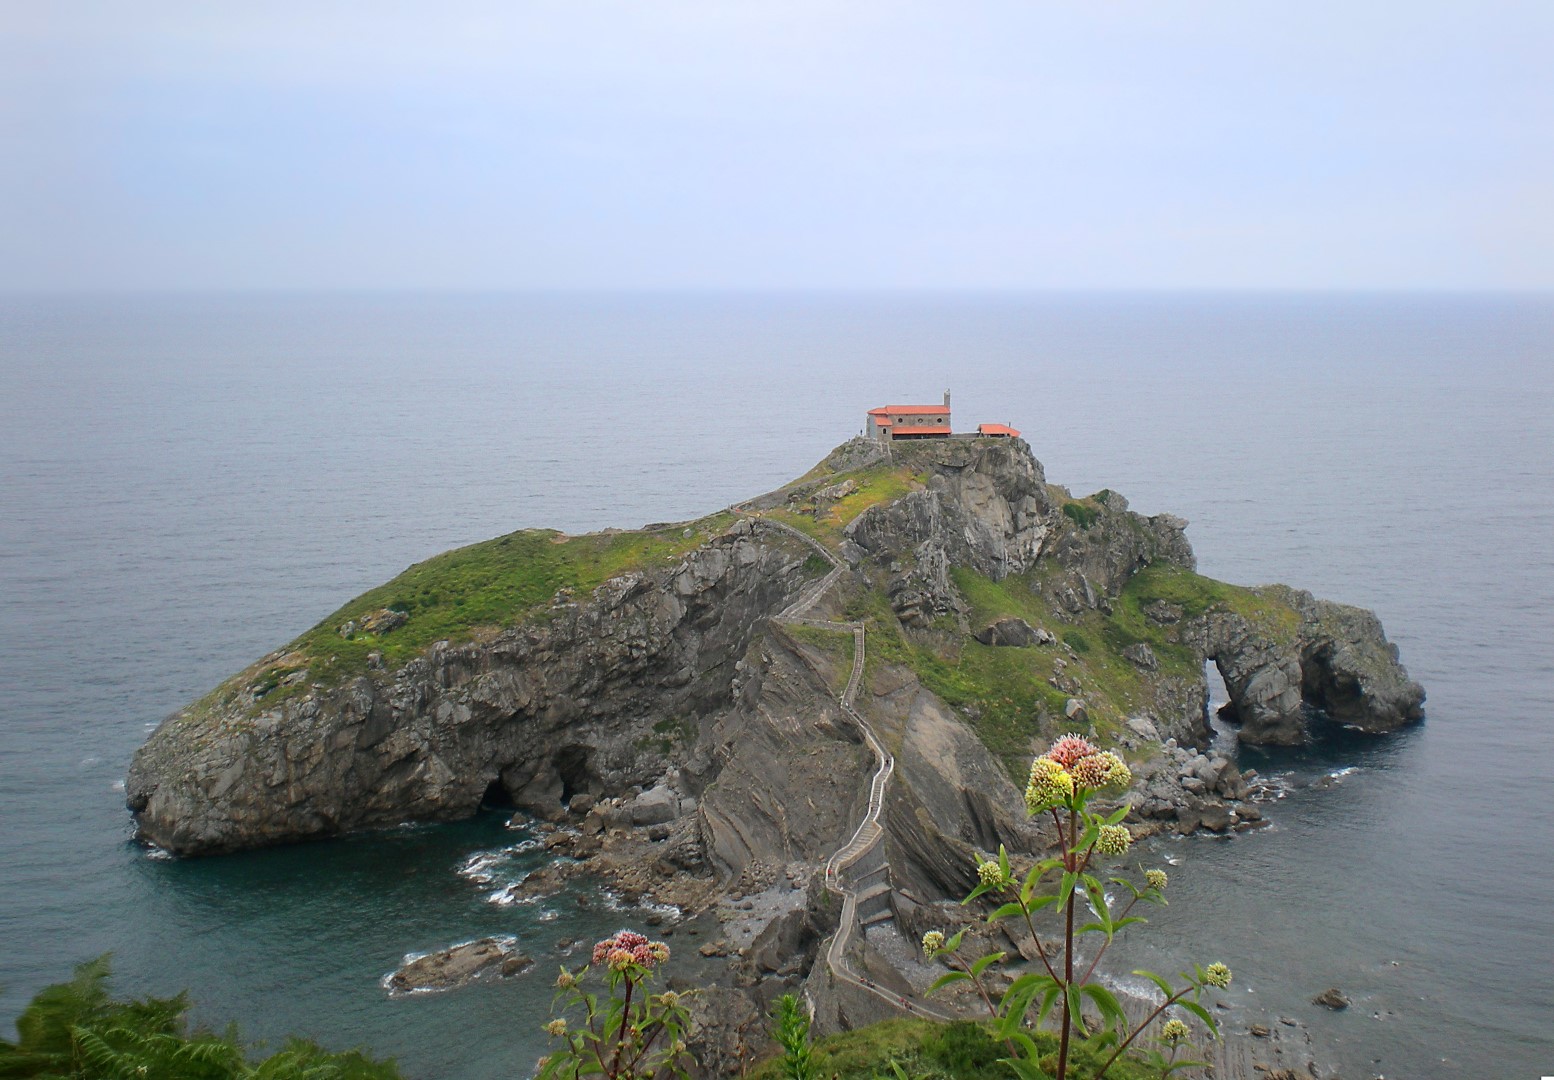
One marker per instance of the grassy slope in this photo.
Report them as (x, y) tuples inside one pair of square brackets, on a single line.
[(465, 593), (825, 520), (929, 1051)]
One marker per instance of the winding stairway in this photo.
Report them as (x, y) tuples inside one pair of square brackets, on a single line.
[(869, 832)]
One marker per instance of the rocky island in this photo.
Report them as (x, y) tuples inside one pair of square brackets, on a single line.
[(825, 694)]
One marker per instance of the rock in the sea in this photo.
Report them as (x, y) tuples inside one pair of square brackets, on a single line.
[(457, 965), (1332, 998)]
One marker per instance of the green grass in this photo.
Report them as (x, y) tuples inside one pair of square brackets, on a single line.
[(836, 644), (1001, 692), (1081, 514), (1004, 693), (464, 594), (928, 1051), (877, 484), (1195, 595)]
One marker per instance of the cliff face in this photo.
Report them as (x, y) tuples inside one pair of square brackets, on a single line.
[(592, 696), (669, 676)]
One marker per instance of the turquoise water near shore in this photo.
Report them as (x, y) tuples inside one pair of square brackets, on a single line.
[(187, 482)]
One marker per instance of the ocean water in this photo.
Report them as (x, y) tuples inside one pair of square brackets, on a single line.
[(187, 482)]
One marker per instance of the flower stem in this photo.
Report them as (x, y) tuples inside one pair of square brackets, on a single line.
[(1164, 1005), (1068, 958)]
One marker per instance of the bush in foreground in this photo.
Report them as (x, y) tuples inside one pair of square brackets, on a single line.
[(76, 1031)]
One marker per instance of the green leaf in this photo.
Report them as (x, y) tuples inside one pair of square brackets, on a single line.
[(954, 942), (1017, 1000), (1106, 1001), (1165, 987), (1026, 1043), (947, 978), (981, 888), (1025, 1070), (1122, 812), (1126, 884), (1047, 1001), (987, 961), (1008, 911), (1202, 1014), (1067, 887), (1003, 862), (1074, 1002)]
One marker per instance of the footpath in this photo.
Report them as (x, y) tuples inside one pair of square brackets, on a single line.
[(869, 832)]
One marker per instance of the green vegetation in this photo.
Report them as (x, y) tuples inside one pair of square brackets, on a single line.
[(627, 1032), (1195, 595), (75, 1031), (836, 644), (827, 521), (923, 1050), (792, 1034), (1062, 784), (1007, 694), (1081, 514), (461, 595)]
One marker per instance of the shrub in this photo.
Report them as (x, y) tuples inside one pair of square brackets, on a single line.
[(1061, 785)]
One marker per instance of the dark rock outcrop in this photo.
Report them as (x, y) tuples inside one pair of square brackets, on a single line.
[(1015, 632), (452, 967), (1338, 663), (544, 710)]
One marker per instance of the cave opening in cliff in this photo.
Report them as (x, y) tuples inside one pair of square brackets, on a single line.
[(497, 797), (577, 776)]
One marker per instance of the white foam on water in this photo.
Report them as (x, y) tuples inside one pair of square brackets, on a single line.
[(117, 785)]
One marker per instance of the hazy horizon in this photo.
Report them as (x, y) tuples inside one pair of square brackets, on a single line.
[(479, 146)]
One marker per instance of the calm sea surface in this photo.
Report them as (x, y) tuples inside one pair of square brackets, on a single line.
[(186, 483)]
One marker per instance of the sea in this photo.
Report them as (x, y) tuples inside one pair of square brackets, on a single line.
[(188, 481)]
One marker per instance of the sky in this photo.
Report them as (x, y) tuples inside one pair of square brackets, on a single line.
[(844, 144)]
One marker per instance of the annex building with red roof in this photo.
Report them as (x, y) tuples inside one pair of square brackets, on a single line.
[(892, 422)]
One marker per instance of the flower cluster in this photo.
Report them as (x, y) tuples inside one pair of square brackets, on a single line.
[(933, 941), (991, 873), (1217, 975), (1173, 1031), (1156, 879), (627, 948), (1072, 764), (1049, 786), (1113, 840), (556, 1027)]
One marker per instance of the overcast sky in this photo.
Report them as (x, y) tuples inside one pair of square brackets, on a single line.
[(725, 144)]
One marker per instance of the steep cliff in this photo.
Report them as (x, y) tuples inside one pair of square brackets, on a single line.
[(547, 667)]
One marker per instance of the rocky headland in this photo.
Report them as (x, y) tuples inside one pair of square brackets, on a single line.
[(688, 706)]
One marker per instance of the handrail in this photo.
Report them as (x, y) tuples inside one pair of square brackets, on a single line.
[(869, 831)]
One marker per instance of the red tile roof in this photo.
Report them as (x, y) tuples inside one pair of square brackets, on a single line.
[(912, 410), (998, 429)]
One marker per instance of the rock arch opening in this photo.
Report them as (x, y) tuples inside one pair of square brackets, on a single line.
[(574, 768)]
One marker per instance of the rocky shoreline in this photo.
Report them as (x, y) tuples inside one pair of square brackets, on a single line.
[(683, 744)]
